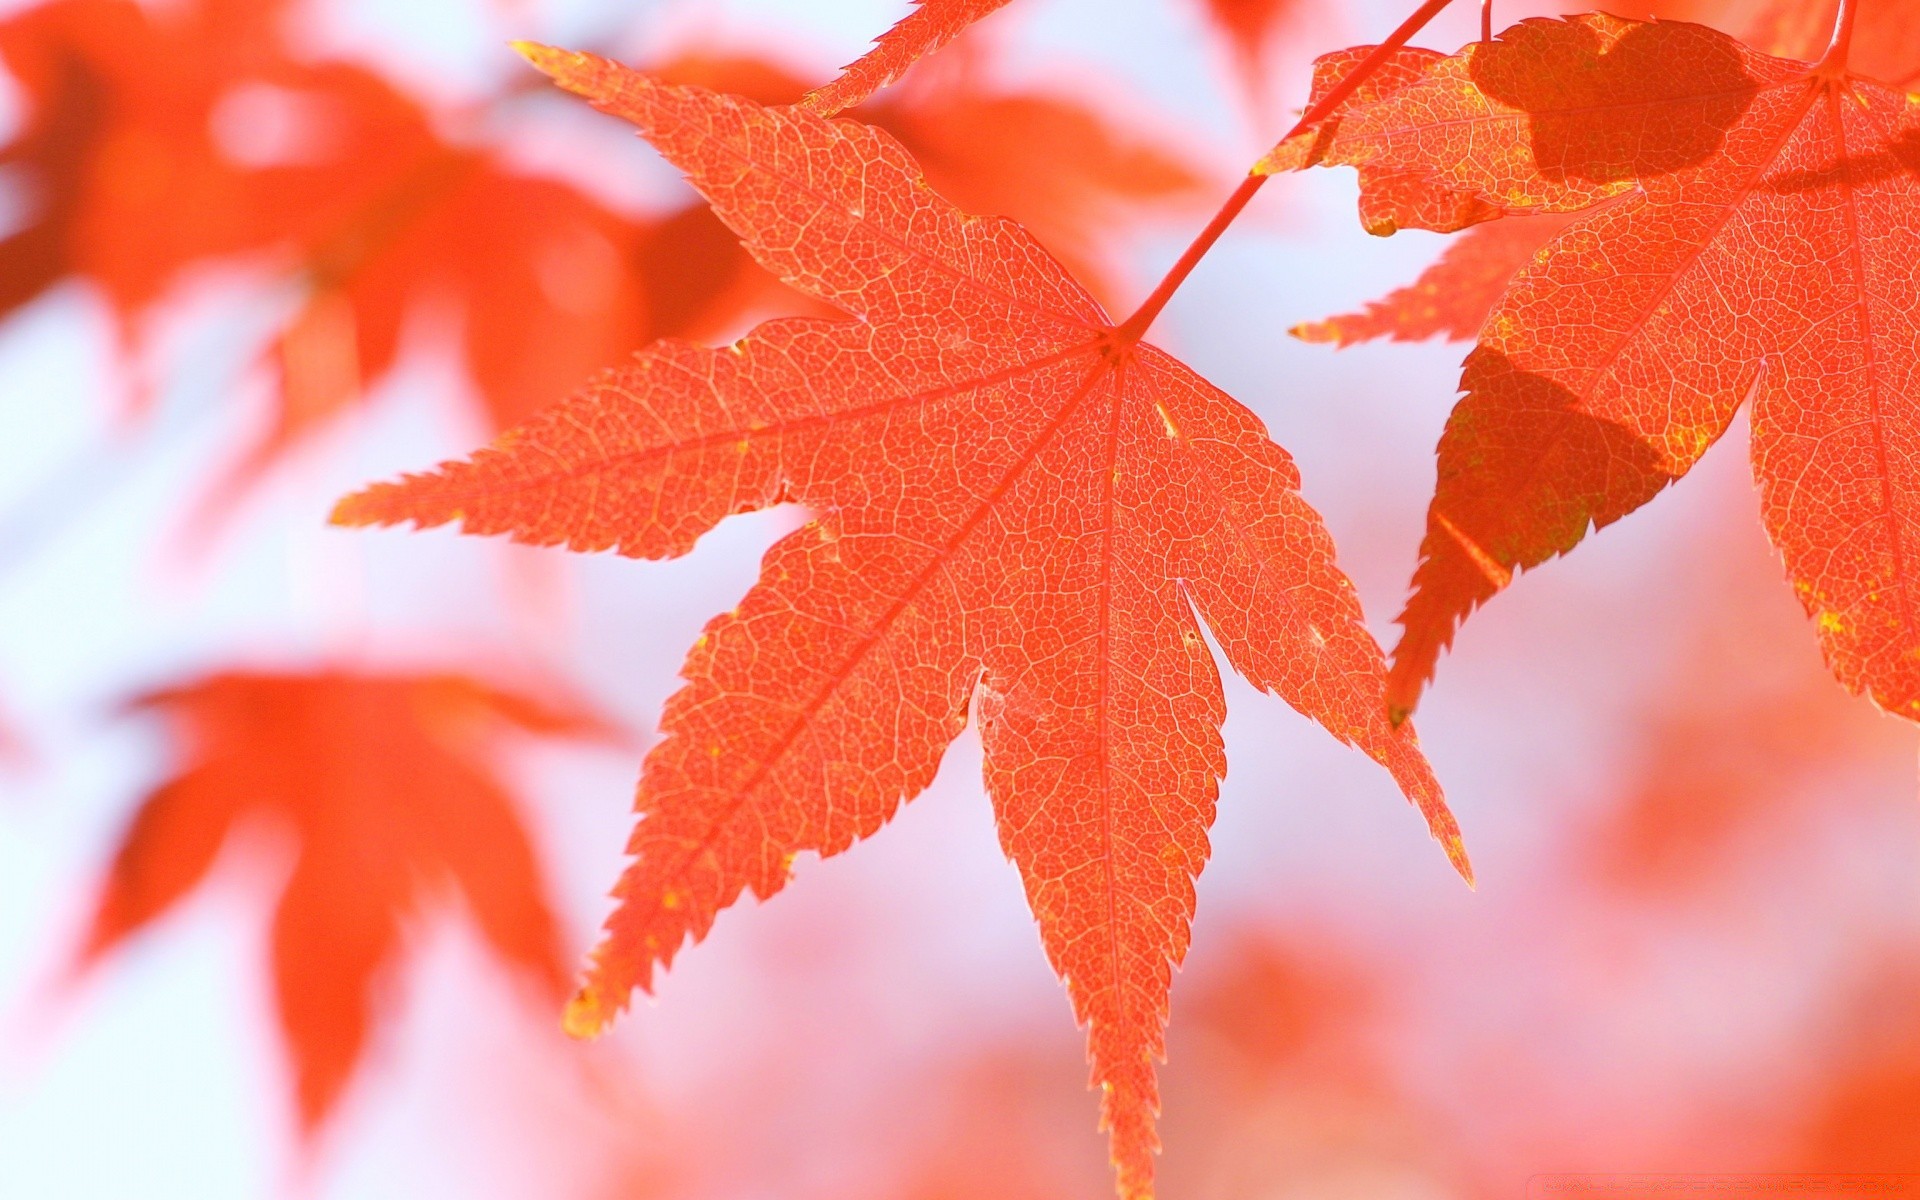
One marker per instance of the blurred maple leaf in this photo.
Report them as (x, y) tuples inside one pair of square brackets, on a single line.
[(1751, 240), (1022, 509), (158, 140), (1280, 1073), (1863, 1109), (385, 784), (1742, 726), (1886, 40), (118, 128), (1285, 1074)]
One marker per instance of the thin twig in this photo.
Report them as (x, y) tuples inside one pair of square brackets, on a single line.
[(1135, 326)]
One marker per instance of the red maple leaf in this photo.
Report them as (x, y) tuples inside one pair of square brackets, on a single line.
[(1049, 162), (1454, 296), (385, 784), (1744, 229), (1022, 510)]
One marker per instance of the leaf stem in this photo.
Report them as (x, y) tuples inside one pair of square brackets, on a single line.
[(1486, 20), (1834, 61), (1135, 327)]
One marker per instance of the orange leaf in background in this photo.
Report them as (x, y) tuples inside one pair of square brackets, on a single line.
[(1864, 1105), (1249, 26), (380, 216), (1742, 728), (1020, 513), (1453, 296), (156, 141), (119, 103), (386, 785), (1746, 229)]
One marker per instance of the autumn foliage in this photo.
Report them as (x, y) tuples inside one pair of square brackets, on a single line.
[(902, 302)]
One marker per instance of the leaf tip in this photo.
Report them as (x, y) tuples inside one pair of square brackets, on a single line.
[(349, 510), (585, 1017), (1456, 848), (571, 69)]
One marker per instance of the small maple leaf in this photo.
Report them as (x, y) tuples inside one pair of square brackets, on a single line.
[(1062, 170), (1021, 513), (385, 785), (1744, 228), (1454, 296)]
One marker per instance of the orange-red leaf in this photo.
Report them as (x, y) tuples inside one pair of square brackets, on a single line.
[(1021, 514), (117, 114), (1395, 194), (1745, 228), (385, 784), (1452, 297), (931, 25)]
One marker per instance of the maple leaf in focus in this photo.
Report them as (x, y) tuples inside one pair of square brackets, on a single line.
[(386, 785), (1047, 161), (1020, 510), (1886, 41), (1745, 228), (1249, 25)]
